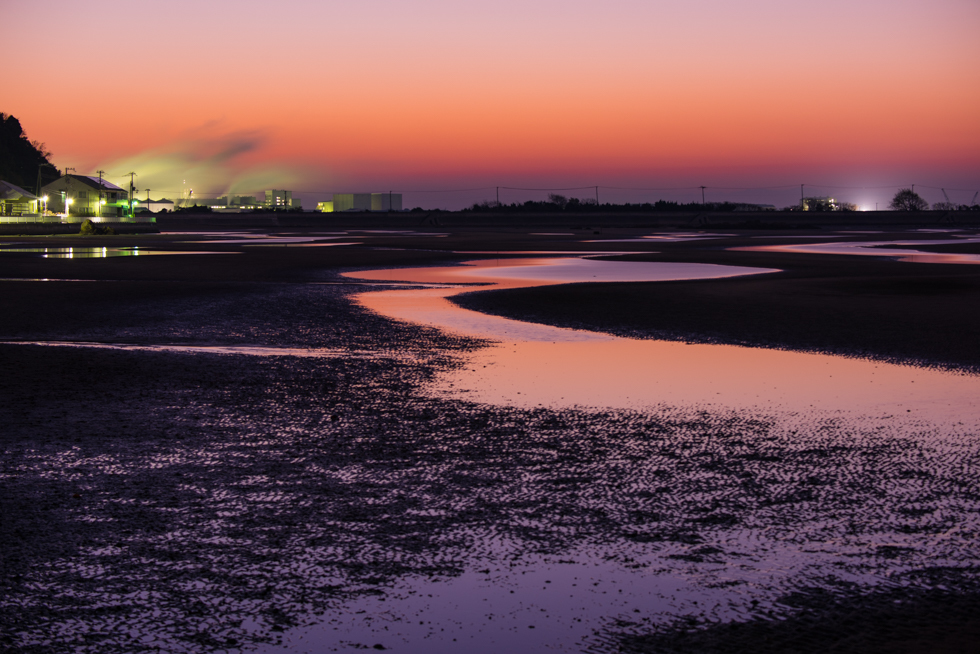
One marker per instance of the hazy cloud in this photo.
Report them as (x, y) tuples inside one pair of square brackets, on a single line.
[(209, 162)]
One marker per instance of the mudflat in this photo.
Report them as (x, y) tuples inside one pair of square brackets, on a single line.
[(161, 500)]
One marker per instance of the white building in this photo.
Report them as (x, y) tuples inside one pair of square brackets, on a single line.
[(15, 201), (86, 195)]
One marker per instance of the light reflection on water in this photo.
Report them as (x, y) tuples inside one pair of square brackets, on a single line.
[(879, 249), (539, 365)]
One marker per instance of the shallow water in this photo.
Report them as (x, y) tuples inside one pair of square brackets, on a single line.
[(880, 249), (672, 237), (540, 365), (97, 252)]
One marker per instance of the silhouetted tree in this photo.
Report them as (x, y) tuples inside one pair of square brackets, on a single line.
[(559, 200), (20, 158), (908, 200)]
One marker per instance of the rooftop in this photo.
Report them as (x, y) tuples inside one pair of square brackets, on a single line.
[(10, 191)]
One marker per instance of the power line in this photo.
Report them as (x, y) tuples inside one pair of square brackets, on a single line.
[(595, 189)]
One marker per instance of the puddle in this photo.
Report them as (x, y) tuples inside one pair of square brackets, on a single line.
[(97, 252), (576, 253), (282, 244), (879, 249), (430, 306), (49, 279), (538, 271), (271, 240), (661, 237)]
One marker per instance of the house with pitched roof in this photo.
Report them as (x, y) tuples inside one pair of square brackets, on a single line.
[(86, 195), (15, 201)]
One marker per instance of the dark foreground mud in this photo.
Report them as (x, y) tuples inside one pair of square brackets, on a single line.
[(172, 502), (906, 622)]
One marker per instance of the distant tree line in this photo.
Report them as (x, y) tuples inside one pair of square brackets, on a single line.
[(574, 205), (908, 200), (904, 200), (22, 161)]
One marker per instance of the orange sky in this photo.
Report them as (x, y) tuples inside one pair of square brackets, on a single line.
[(378, 94)]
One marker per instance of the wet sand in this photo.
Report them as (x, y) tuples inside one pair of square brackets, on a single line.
[(164, 501)]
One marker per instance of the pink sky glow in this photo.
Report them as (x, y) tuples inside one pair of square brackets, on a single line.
[(434, 95)]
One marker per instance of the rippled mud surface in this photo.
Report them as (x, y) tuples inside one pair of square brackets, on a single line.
[(192, 501)]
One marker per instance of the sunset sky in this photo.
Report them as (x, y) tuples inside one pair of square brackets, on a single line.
[(431, 95)]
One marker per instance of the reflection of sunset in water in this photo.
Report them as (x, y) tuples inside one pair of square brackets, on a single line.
[(879, 249), (542, 365)]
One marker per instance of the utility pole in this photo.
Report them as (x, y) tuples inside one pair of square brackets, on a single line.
[(101, 173), (702, 196), (802, 201), (597, 196), (132, 187), (68, 181), (498, 196), (40, 166)]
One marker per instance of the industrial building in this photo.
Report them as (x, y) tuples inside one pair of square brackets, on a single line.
[(363, 202), (279, 199), (275, 199)]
